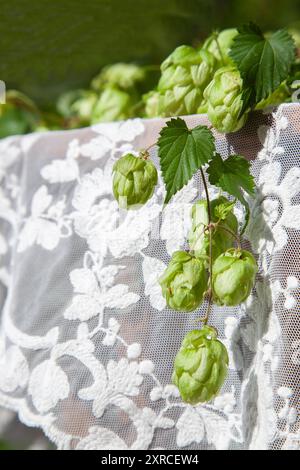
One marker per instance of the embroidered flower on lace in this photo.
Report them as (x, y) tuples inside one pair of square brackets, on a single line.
[(176, 218), (14, 370), (152, 269), (9, 154), (46, 225), (119, 378), (292, 285), (114, 138), (269, 139), (269, 225), (190, 428), (48, 384), (111, 332), (64, 170), (290, 416), (93, 296)]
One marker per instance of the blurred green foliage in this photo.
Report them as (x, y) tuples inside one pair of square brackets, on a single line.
[(50, 47), (4, 445)]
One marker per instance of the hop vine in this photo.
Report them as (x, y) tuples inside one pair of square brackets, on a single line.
[(215, 269)]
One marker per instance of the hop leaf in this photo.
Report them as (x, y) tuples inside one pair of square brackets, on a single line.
[(182, 151), (232, 175), (264, 63)]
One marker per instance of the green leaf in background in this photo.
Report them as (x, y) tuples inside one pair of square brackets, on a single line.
[(182, 152), (264, 62), (232, 175), (48, 47), (5, 445)]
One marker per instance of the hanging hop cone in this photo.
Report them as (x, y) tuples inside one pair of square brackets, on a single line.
[(184, 282), (224, 100), (199, 238), (200, 366), (233, 277), (134, 180), (219, 45), (184, 76)]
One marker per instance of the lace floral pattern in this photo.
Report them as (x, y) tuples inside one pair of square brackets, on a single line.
[(87, 342)]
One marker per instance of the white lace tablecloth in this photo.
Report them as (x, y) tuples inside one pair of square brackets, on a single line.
[(87, 343)]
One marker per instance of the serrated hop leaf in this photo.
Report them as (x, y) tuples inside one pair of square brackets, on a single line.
[(182, 152), (233, 277), (185, 74), (224, 99), (200, 366), (134, 180), (280, 95), (113, 105), (219, 45), (221, 239), (184, 282)]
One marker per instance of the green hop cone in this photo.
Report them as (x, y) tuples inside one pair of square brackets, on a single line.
[(200, 366), (113, 105), (153, 104), (122, 75), (84, 105), (134, 181), (224, 100), (77, 104), (221, 239), (184, 76), (233, 277), (219, 45), (184, 282)]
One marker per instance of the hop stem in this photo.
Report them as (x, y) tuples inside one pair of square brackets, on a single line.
[(219, 48), (210, 228), (144, 153), (150, 146), (237, 238)]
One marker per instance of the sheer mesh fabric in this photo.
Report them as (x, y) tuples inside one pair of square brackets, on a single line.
[(87, 343)]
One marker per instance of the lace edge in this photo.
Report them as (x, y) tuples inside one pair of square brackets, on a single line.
[(45, 423)]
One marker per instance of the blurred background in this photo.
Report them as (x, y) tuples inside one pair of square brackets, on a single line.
[(51, 47)]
